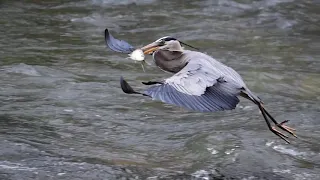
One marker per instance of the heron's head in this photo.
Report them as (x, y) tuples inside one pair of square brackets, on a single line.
[(165, 43)]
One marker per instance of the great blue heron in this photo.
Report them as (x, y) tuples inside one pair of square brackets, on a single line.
[(199, 83)]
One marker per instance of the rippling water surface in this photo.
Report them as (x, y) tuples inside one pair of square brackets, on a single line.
[(63, 115)]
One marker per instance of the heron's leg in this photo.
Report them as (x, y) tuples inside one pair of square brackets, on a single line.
[(281, 125), (272, 129), (152, 82), (265, 114)]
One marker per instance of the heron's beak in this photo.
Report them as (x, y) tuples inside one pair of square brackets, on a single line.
[(150, 48)]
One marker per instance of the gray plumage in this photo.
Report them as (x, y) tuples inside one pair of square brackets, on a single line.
[(201, 83)]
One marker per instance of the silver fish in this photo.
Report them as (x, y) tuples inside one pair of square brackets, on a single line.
[(138, 55)]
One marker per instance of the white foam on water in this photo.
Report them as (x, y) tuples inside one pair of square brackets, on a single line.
[(122, 2), (285, 150), (68, 110), (249, 178), (284, 171), (94, 19), (269, 143), (201, 174), (305, 176), (61, 174), (229, 151), (15, 166), (23, 69), (212, 151)]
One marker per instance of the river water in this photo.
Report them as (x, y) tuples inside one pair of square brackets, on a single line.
[(64, 116)]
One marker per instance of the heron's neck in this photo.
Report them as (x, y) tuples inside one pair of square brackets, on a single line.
[(171, 61)]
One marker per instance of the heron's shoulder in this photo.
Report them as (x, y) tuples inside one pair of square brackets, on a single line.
[(208, 63), (200, 57)]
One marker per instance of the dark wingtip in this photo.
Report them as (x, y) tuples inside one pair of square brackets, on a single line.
[(126, 88), (106, 33)]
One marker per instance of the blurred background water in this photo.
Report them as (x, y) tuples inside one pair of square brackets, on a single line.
[(64, 116)]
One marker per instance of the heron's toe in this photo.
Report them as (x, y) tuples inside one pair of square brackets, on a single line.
[(287, 128)]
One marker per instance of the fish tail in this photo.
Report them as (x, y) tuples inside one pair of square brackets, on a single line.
[(142, 65)]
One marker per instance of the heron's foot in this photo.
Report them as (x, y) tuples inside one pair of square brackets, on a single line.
[(280, 134), (281, 125), (286, 128)]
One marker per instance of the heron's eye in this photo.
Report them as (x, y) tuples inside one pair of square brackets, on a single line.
[(162, 42)]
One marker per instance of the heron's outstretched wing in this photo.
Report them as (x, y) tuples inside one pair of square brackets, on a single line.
[(214, 98), (116, 44), (201, 72), (199, 86)]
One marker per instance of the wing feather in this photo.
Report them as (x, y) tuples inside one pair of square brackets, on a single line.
[(116, 44), (201, 72), (214, 99), (204, 84)]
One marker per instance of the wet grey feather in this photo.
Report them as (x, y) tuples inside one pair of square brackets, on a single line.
[(202, 84)]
